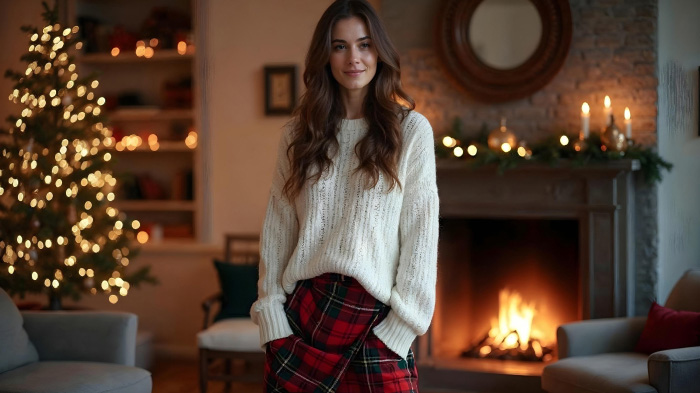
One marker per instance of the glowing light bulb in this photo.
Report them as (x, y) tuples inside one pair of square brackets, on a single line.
[(449, 142), (458, 151), (182, 47), (564, 140), (142, 237)]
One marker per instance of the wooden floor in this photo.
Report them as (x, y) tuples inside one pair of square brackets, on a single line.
[(182, 376)]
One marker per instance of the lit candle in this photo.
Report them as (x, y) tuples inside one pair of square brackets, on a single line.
[(585, 117), (628, 123), (607, 111)]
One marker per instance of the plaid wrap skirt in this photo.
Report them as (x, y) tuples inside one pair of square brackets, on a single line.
[(333, 348)]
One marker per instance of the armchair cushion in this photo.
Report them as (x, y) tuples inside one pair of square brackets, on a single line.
[(669, 329), (622, 372), (239, 286), (675, 370), (232, 334), (596, 336), (16, 350), (76, 377)]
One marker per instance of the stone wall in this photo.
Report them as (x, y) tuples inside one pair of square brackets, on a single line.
[(613, 52)]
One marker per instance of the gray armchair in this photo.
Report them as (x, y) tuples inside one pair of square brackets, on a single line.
[(597, 355), (68, 351)]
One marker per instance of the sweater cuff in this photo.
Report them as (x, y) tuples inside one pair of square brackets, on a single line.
[(395, 334), (273, 323)]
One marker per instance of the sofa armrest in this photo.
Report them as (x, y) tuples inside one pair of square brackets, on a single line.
[(598, 336), (675, 370), (108, 337)]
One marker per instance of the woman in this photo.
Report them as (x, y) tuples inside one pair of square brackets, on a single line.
[(349, 242)]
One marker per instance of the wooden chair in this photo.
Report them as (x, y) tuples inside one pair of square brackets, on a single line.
[(222, 342)]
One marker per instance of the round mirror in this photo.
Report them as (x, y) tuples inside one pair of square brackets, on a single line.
[(502, 50), (505, 33)]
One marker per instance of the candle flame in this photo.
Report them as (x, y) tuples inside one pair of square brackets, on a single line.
[(607, 101), (627, 113), (585, 108)]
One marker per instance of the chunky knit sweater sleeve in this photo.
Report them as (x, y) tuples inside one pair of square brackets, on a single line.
[(412, 298), (277, 242)]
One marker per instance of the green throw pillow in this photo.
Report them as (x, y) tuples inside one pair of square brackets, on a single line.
[(239, 286)]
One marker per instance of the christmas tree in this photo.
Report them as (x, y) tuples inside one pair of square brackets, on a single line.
[(58, 233)]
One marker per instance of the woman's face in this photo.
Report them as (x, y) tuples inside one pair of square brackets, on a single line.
[(353, 56)]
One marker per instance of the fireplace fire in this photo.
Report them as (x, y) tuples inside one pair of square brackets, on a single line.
[(512, 336)]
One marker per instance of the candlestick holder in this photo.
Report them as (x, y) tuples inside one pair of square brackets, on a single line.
[(580, 144), (613, 138), (502, 138)]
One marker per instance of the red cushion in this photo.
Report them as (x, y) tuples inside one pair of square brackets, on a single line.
[(668, 329)]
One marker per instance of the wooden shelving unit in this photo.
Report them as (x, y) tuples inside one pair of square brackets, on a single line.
[(173, 166)]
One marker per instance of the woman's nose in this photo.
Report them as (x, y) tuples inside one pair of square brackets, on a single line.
[(354, 57)]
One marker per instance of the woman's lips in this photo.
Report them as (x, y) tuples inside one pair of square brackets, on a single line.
[(353, 73)]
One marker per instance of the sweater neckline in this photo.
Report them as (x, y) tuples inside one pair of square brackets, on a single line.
[(353, 124)]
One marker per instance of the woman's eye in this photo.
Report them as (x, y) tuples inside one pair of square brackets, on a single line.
[(339, 47), (364, 45)]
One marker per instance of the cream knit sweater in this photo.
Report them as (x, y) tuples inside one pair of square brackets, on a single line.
[(387, 241)]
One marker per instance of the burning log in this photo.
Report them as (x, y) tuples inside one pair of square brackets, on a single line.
[(489, 348), (510, 336)]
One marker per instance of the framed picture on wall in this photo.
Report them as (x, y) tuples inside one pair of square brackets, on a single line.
[(280, 89)]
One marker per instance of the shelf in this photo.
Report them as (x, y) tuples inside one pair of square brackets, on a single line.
[(130, 57), (179, 246), (155, 205), (164, 147), (149, 114)]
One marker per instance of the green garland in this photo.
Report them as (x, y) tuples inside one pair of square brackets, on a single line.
[(550, 151)]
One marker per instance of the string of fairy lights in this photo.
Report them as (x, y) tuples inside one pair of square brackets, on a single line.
[(37, 178)]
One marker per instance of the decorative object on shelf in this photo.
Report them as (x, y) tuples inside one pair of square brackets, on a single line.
[(150, 188), (280, 89), (580, 143), (613, 139), (502, 138), (165, 28), (470, 45), (178, 93), (59, 232), (553, 150)]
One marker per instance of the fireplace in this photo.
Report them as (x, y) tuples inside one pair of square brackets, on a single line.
[(558, 238), (493, 268)]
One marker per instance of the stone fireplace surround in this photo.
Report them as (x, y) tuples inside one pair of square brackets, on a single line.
[(600, 197)]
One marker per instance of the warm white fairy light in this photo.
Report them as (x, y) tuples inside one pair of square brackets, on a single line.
[(191, 140), (69, 159), (182, 47)]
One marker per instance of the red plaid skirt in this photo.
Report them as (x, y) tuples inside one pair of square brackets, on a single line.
[(333, 348)]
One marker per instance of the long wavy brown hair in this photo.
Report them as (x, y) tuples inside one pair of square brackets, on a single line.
[(320, 111)]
